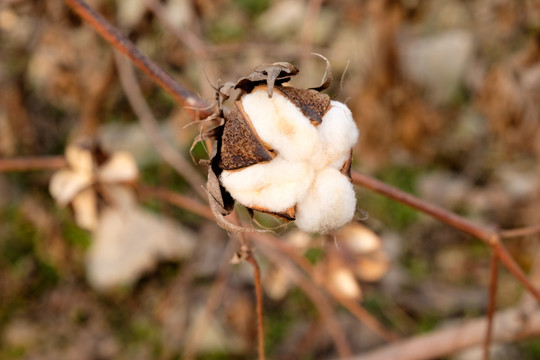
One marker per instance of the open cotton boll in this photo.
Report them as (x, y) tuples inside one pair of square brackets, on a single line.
[(275, 186), (329, 203), (337, 135), (280, 124)]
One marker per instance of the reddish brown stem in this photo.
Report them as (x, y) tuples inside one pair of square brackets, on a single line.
[(526, 231), (260, 311), (355, 308), (507, 260), (480, 232), (176, 199), (32, 163), (318, 298), (492, 301), (188, 99), (487, 235), (212, 303), (151, 127)]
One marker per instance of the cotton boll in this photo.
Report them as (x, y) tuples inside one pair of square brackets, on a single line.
[(329, 204), (275, 186), (280, 124), (337, 135)]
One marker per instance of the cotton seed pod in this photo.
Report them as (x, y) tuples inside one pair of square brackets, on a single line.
[(285, 151)]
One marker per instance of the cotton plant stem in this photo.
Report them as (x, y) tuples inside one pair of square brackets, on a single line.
[(506, 259), (353, 306), (492, 301), (485, 234), (307, 34), (260, 309), (318, 298), (177, 200), (33, 163), (189, 38), (151, 128), (212, 303), (526, 231), (191, 102)]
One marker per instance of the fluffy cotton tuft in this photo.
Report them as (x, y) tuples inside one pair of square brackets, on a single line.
[(276, 186), (305, 173), (280, 124), (329, 203), (337, 135)]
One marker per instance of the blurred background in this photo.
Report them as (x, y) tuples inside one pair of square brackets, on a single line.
[(446, 95)]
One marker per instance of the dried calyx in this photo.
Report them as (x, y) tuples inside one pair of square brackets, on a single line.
[(283, 150)]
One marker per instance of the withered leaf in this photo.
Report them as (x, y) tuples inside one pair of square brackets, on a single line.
[(269, 74), (327, 77), (240, 144)]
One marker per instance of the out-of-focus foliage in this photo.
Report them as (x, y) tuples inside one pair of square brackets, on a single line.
[(445, 93)]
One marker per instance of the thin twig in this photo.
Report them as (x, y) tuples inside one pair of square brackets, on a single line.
[(260, 309), (318, 298), (510, 264), (492, 301), (354, 307), (526, 231), (177, 199), (188, 99), (212, 303), (307, 34), (487, 235), (151, 127), (188, 38), (480, 232), (36, 163)]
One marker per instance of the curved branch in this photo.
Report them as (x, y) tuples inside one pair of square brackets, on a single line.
[(188, 99), (16, 164), (150, 126), (486, 234), (480, 232)]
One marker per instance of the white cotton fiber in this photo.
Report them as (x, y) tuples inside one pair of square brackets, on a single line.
[(280, 124), (329, 203), (305, 173), (275, 186), (337, 135)]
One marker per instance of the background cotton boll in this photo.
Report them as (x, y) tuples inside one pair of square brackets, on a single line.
[(275, 186), (329, 204), (280, 124)]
